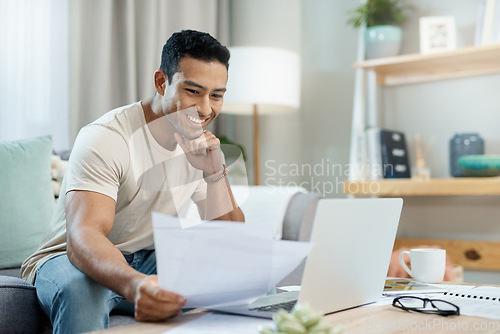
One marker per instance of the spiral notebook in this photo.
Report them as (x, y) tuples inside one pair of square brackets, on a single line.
[(481, 301)]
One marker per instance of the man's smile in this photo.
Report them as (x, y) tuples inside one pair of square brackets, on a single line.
[(195, 120)]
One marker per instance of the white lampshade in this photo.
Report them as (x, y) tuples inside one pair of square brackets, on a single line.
[(268, 78)]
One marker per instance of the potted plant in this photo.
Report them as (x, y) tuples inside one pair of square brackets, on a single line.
[(235, 157), (381, 17)]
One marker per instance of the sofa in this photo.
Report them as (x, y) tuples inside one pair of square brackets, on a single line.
[(293, 211)]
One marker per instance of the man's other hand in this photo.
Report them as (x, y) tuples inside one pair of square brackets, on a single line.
[(152, 303)]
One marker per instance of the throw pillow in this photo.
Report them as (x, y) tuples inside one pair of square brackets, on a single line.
[(26, 197)]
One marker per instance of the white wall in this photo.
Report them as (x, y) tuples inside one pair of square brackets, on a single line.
[(319, 133), (329, 49), (318, 137), (271, 23)]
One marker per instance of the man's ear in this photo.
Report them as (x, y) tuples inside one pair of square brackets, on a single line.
[(160, 82)]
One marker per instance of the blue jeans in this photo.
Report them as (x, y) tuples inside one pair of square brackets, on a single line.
[(74, 302)]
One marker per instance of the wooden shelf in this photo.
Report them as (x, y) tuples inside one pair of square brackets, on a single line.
[(470, 254), (434, 187), (418, 68)]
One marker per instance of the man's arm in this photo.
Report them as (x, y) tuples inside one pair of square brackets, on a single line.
[(204, 153), (220, 203), (90, 218)]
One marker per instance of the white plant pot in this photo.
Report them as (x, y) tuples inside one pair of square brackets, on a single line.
[(383, 41)]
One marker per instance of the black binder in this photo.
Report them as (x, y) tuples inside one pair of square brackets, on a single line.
[(394, 153)]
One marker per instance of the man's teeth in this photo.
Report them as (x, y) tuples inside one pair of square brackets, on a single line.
[(195, 120)]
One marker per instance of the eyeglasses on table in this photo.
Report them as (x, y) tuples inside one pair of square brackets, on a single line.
[(426, 305)]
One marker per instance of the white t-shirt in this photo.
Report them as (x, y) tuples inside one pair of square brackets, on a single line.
[(117, 156)]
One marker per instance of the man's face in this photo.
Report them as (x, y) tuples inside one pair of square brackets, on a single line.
[(195, 96)]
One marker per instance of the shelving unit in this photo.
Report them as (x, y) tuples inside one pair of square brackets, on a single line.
[(435, 187), (470, 254), (417, 69)]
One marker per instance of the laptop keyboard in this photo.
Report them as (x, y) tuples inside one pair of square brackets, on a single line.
[(287, 306)]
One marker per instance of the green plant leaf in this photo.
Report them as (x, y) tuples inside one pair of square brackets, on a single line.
[(377, 12), (231, 154)]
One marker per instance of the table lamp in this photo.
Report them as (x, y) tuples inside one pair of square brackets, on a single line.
[(262, 80)]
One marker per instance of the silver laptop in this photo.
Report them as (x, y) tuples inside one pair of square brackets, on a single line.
[(348, 265)]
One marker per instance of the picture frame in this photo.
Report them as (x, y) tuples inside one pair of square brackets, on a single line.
[(437, 34)]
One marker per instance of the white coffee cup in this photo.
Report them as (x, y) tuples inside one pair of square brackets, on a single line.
[(427, 265)]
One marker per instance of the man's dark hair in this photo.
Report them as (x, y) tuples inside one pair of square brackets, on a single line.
[(192, 43)]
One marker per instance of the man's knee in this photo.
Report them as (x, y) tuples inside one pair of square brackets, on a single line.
[(58, 283), (81, 289), (71, 299)]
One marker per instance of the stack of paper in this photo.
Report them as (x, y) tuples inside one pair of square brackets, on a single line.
[(214, 323), (404, 286)]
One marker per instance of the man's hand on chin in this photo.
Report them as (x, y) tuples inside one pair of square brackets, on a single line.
[(203, 153), (152, 303)]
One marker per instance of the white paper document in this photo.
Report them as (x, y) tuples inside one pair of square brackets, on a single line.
[(221, 263), (482, 301), (405, 286), (216, 323)]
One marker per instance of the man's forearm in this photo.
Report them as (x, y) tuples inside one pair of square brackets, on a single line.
[(220, 203), (97, 257)]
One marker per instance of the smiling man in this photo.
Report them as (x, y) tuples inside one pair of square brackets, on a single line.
[(153, 155)]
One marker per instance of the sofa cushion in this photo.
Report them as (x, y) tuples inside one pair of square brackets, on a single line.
[(26, 197), (19, 310), (13, 272), (299, 216), (297, 225), (266, 205), (21, 313)]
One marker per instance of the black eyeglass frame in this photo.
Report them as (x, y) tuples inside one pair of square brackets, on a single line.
[(397, 303)]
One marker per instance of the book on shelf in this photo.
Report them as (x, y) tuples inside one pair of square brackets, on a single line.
[(479, 24), (495, 27), (387, 154), (373, 153), (488, 23)]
